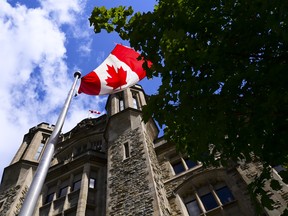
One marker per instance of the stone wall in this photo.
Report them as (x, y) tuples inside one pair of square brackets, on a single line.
[(8, 199), (249, 171), (128, 186), (157, 177)]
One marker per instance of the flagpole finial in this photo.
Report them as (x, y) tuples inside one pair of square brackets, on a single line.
[(77, 73)]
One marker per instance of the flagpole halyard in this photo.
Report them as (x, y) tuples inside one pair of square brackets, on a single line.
[(35, 188)]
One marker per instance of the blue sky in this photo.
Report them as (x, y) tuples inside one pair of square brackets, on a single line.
[(42, 43)]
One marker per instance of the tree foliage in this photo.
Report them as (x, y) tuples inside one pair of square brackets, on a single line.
[(224, 70)]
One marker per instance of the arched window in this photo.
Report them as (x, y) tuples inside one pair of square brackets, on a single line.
[(119, 101), (201, 194), (135, 100), (207, 198)]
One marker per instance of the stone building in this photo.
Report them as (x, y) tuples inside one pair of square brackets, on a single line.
[(116, 165)]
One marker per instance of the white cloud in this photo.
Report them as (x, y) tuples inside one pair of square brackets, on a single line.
[(63, 12), (85, 47), (34, 80)]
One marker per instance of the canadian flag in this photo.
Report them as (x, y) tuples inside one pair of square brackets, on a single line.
[(94, 112), (120, 70)]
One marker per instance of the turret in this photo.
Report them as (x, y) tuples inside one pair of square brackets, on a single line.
[(134, 184)]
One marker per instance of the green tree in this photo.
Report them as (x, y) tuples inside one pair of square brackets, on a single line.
[(223, 66)]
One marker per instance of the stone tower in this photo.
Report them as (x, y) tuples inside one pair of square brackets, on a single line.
[(134, 184), (17, 177)]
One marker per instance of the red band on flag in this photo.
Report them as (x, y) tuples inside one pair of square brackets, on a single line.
[(90, 84), (129, 57)]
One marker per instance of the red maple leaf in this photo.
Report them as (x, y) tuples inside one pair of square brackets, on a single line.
[(116, 80)]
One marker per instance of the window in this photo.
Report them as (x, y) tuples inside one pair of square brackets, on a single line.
[(182, 165), (63, 191), (207, 199), (121, 104), (92, 183), (78, 151), (50, 193), (135, 101), (224, 195), (178, 167), (193, 208), (190, 164), (89, 211), (97, 145), (84, 147), (92, 179), (44, 138), (49, 197), (70, 212), (126, 150), (76, 185), (39, 150)]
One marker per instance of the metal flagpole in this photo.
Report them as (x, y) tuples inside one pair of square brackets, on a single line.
[(41, 172)]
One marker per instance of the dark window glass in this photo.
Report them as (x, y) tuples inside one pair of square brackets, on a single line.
[(209, 201), (63, 191), (39, 150), (178, 167), (84, 147), (97, 145), (70, 213), (92, 183), (224, 195), (193, 208), (44, 138), (126, 150), (76, 185), (49, 197), (78, 151), (190, 164)]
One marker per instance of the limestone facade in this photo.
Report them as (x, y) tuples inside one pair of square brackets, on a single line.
[(116, 165)]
